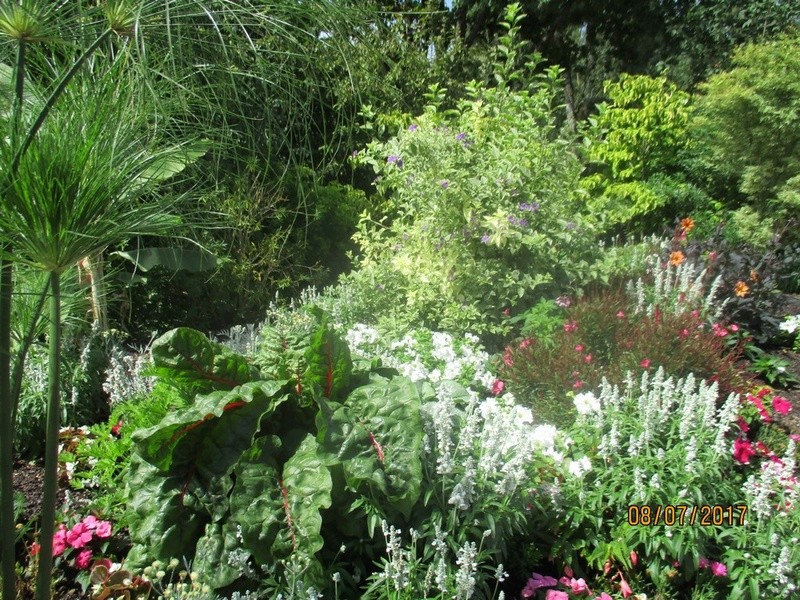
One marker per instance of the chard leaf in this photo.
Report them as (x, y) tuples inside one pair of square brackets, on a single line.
[(188, 360), (278, 509), (161, 525), (377, 437), (221, 419), (219, 555), (329, 363)]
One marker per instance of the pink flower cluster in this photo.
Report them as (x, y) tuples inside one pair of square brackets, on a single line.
[(78, 537), (717, 568), (574, 586)]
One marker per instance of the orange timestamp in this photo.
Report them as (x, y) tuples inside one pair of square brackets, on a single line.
[(681, 514)]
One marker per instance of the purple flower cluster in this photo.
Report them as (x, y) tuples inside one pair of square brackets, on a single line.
[(486, 239), (518, 222), (413, 127), (532, 207), (444, 183), (395, 160)]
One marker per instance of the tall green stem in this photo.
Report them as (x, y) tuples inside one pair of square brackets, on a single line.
[(7, 400), (7, 533), (44, 575)]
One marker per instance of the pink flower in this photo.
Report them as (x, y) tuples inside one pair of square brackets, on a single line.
[(60, 540), (568, 571), (577, 385), (579, 348), (733, 327), (645, 364), (35, 548), (634, 558), (743, 425), (703, 562), (624, 587), (535, 582), (794, 437), (525, 343), (604, 596), (83, 559), (742, 451), (718, 569), (79, 536), (497, 387), (103, 529), (570, 326), (684, 333), (587, 359), (507, 358), (781, 405), (620, 315), (578, 586), (556, 595), (90, 522)]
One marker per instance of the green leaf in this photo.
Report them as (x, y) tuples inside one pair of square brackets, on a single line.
[(329, 363), (194, 260), (278, 509), (187, 359), (377, 437), (172, 161), (219, 556)]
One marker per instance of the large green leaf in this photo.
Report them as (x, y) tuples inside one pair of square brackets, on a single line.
[(329, 363), (194, 260), (278, 509), (377, 437), (216, 426), (161, 525), (219, 556), (173, 161), (187, 359)]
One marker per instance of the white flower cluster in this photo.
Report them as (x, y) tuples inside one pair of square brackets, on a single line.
[(675, 289), (398, 568), (443, 358), (791, 324), (774, 485), (125, 377)]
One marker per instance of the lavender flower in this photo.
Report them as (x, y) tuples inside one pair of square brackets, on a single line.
[(532, 207), (460, 137), (413, 127), (486, 239), (395, 160), (444, 183)]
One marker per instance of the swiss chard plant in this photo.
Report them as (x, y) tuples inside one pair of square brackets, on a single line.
[(265, 463)]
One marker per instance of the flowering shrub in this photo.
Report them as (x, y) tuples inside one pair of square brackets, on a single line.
[(485, 207), (603, 336)]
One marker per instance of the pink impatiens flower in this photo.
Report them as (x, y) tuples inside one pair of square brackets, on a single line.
[(781, 405), (103, 529), (556, 595), (498, 386), (79, 535), (60, 540), (83, 559)]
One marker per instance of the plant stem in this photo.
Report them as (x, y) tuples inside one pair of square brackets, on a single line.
[(7, 533), (44, 575)]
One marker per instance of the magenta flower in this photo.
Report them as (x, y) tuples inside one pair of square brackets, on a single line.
[(781, 405), (742, 451), (537, 581), (718, 569), (83, 559), (60, 540), (645, 364), (578, 586), (703, 562), (604, 596), (556, 595), (90, 522)]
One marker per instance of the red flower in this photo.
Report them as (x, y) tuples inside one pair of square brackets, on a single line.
[(742, 451), (116, 429), (645, 364)]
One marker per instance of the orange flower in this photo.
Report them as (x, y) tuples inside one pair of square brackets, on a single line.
[(741, 289), (687, 224), (676, 258), (754, 275)]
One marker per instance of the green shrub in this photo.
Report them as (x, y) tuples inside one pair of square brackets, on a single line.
[(486, 206), (748, 123), (634, 147)]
